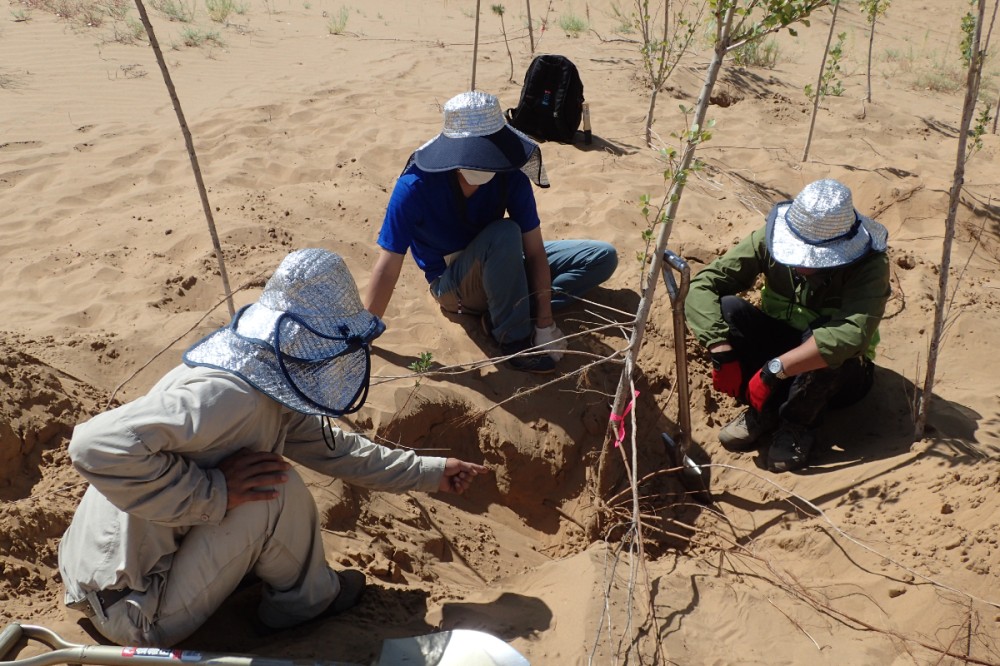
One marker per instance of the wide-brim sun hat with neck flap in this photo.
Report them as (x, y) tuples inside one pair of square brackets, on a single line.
[(820, 228), (305, 343), (476, 136)]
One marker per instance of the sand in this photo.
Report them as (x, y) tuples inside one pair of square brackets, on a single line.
[(883, 552)]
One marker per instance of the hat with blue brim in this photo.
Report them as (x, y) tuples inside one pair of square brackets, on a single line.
[(821, 228), (305, 343), (476, 136)]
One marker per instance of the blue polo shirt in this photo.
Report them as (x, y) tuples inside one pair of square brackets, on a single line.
[(425, 215)]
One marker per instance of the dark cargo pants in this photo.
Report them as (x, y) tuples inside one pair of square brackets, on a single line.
[(757, 338)]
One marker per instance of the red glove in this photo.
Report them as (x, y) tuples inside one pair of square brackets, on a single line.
[(727, 375), (759, 389)]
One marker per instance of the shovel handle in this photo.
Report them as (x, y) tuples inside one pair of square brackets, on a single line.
[(673, 262), (8, 638), (458, 646), (64, 652)]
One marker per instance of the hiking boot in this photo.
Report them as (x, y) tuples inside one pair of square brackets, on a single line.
[(539, 363), (790, 448), (742, 433), (352, 586)]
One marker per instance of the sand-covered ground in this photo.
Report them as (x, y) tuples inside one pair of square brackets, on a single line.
[(303, 113)]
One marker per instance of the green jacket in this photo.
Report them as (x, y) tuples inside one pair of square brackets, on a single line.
[(848, 301)]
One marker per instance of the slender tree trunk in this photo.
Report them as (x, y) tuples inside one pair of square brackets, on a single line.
[(475, 49), (649, 116), (968, 110), (666, 31), (871, 44), (657, 77), (607, 470), (986, 46), (996, 112), (189, 142), (819, 80), (510, 56), (531, 28)]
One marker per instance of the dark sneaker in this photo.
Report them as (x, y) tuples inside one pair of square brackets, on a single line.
[(790, 448), (538, 363), (352, 586), (742, 433)]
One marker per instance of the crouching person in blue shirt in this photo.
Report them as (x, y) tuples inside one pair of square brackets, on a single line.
[(465, 209)]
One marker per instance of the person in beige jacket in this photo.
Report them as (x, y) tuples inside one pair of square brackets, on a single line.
[(190, 490)]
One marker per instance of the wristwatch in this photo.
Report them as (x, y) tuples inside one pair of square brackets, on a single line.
[(776, 368)]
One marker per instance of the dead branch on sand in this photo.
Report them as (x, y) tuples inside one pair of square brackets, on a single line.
[(729, 544)]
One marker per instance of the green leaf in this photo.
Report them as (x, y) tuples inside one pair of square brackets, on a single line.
[(423, 363)]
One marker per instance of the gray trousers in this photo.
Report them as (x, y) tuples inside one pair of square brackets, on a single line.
[(489, 275), (278, 540)]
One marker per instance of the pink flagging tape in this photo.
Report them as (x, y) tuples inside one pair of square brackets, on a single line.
[(620, 420)]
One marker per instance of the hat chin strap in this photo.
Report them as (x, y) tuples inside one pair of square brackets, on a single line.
[(355, 343)]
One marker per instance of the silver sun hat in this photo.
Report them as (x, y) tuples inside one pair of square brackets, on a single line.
[(305, 343), (821, 228), (476, 136)]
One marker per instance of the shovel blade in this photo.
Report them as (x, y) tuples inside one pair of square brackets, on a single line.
[(458, 647), (692, 476)]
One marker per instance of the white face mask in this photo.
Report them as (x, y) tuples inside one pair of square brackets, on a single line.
[(476, 177)]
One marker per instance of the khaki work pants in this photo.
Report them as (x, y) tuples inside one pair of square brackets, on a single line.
[(278, 540)]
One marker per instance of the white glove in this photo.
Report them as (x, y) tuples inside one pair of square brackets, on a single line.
[(551, 338)]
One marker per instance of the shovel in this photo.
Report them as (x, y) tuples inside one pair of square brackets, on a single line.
[(458, 647), (692, 476)]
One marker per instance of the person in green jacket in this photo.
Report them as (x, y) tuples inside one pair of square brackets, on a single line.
[(810, 345)]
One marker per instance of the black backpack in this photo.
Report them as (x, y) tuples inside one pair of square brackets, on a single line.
[(551, 102)]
